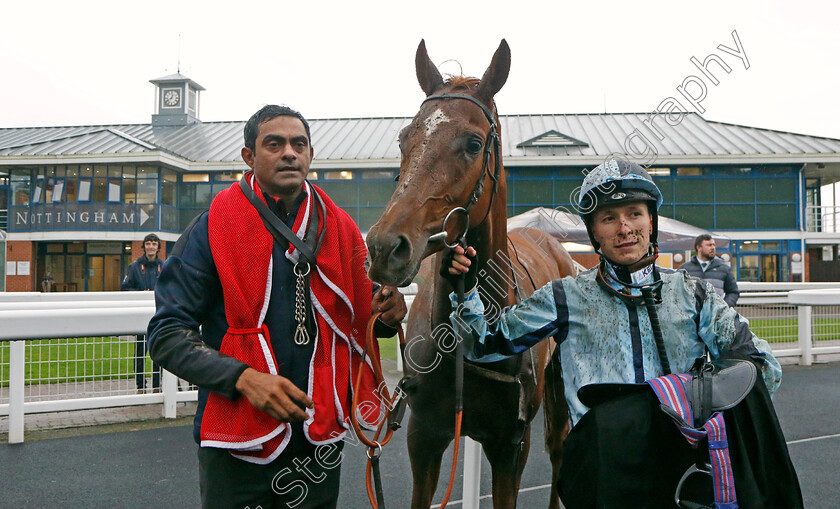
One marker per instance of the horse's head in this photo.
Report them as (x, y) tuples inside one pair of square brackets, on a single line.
[(449, 156)]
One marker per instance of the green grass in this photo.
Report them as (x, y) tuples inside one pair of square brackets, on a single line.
[(73, 360), (775, 330), (86, 359), (388, 348)]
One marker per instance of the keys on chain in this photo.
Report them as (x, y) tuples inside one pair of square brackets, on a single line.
[(301, 270)]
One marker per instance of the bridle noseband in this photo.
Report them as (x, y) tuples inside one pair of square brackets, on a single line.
[(491, 147)]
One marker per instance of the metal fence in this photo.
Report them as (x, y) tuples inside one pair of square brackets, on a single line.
[(822, 218)]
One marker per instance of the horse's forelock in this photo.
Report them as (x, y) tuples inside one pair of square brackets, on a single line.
[(461, 82)]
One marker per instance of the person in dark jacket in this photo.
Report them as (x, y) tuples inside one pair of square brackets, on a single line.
[(142, 275), (705, 265), (270, 356)]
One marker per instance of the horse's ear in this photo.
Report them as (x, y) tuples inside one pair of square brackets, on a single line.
[(496, 75), (427, 73)]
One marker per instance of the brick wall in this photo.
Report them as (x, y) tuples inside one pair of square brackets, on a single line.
[(21, 251)]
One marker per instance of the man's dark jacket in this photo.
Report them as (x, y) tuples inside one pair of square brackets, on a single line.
[(718, 274), (142, 274)]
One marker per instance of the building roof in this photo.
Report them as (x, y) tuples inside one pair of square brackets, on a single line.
[(372, 142)]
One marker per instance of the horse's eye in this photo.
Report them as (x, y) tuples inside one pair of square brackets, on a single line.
[(474, 146)]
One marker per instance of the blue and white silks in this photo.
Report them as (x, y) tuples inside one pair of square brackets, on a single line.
[(603, 339)]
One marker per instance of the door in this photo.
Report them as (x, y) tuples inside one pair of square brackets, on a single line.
[(769, 268), (112, 273), (95, 275)]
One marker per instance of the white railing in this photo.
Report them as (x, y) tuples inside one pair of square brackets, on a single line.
[(38, 322), (76, 351), (822, 218), (798, 319)]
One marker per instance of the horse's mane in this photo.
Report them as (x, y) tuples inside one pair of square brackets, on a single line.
[(461, 82)]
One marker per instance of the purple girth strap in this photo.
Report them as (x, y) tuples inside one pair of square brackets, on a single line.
[(670, 390)]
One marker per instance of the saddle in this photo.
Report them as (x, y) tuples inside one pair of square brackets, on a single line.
[(710, 387), (714, 386)]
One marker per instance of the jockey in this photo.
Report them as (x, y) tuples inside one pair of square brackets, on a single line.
[(603, 328)]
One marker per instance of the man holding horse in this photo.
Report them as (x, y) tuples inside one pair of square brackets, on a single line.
[(628, 322), (263, 304)]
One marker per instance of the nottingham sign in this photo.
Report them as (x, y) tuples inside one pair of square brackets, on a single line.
[(82, 216)]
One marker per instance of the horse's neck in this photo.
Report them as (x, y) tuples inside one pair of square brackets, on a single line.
[(496, 281)]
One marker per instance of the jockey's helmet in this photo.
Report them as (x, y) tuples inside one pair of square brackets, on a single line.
[(617, 181)]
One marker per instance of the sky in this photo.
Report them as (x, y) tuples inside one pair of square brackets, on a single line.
[(90, 62)]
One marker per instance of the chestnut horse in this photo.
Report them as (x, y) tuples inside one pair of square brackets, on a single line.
[(451, 158)]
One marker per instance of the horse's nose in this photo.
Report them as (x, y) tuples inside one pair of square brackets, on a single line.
[(399, 251)]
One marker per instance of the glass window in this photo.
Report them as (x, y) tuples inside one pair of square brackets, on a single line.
[(534, 192), (701, 216), (147, 190), (129, 189), (531, 172), (20, 190), (226, 176), (659, 172), (368, 217), (73, 170), (375, 193), (748, 245), (147, 171), (129, 172), (733, 170), (218, 188), (694, 191), (114, 190), (85, 171), (734, 190), (563, 190), (100, 190), (58, 190), (202, 195), (168, 192), (195, 177), (770, 245), (748, 267), (100, 170), (776, 189), (72, 190), (342, 193), (338, 175), (736, 217), (38, 192), (777, 216), (114, 171), (84, 189), (692, 171), (665, 185), (376, 174)]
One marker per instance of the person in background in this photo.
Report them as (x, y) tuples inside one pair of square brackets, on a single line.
[(705, 265), (143, 275), (47, 281)]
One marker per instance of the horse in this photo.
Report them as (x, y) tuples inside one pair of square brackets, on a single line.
[(451, 158)]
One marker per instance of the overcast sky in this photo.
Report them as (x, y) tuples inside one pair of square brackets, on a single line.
[(86, 62)]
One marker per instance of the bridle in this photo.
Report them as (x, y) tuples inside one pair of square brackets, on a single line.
[(491, 148)]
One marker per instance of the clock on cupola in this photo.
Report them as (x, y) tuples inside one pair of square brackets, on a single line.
[(176, 100)]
